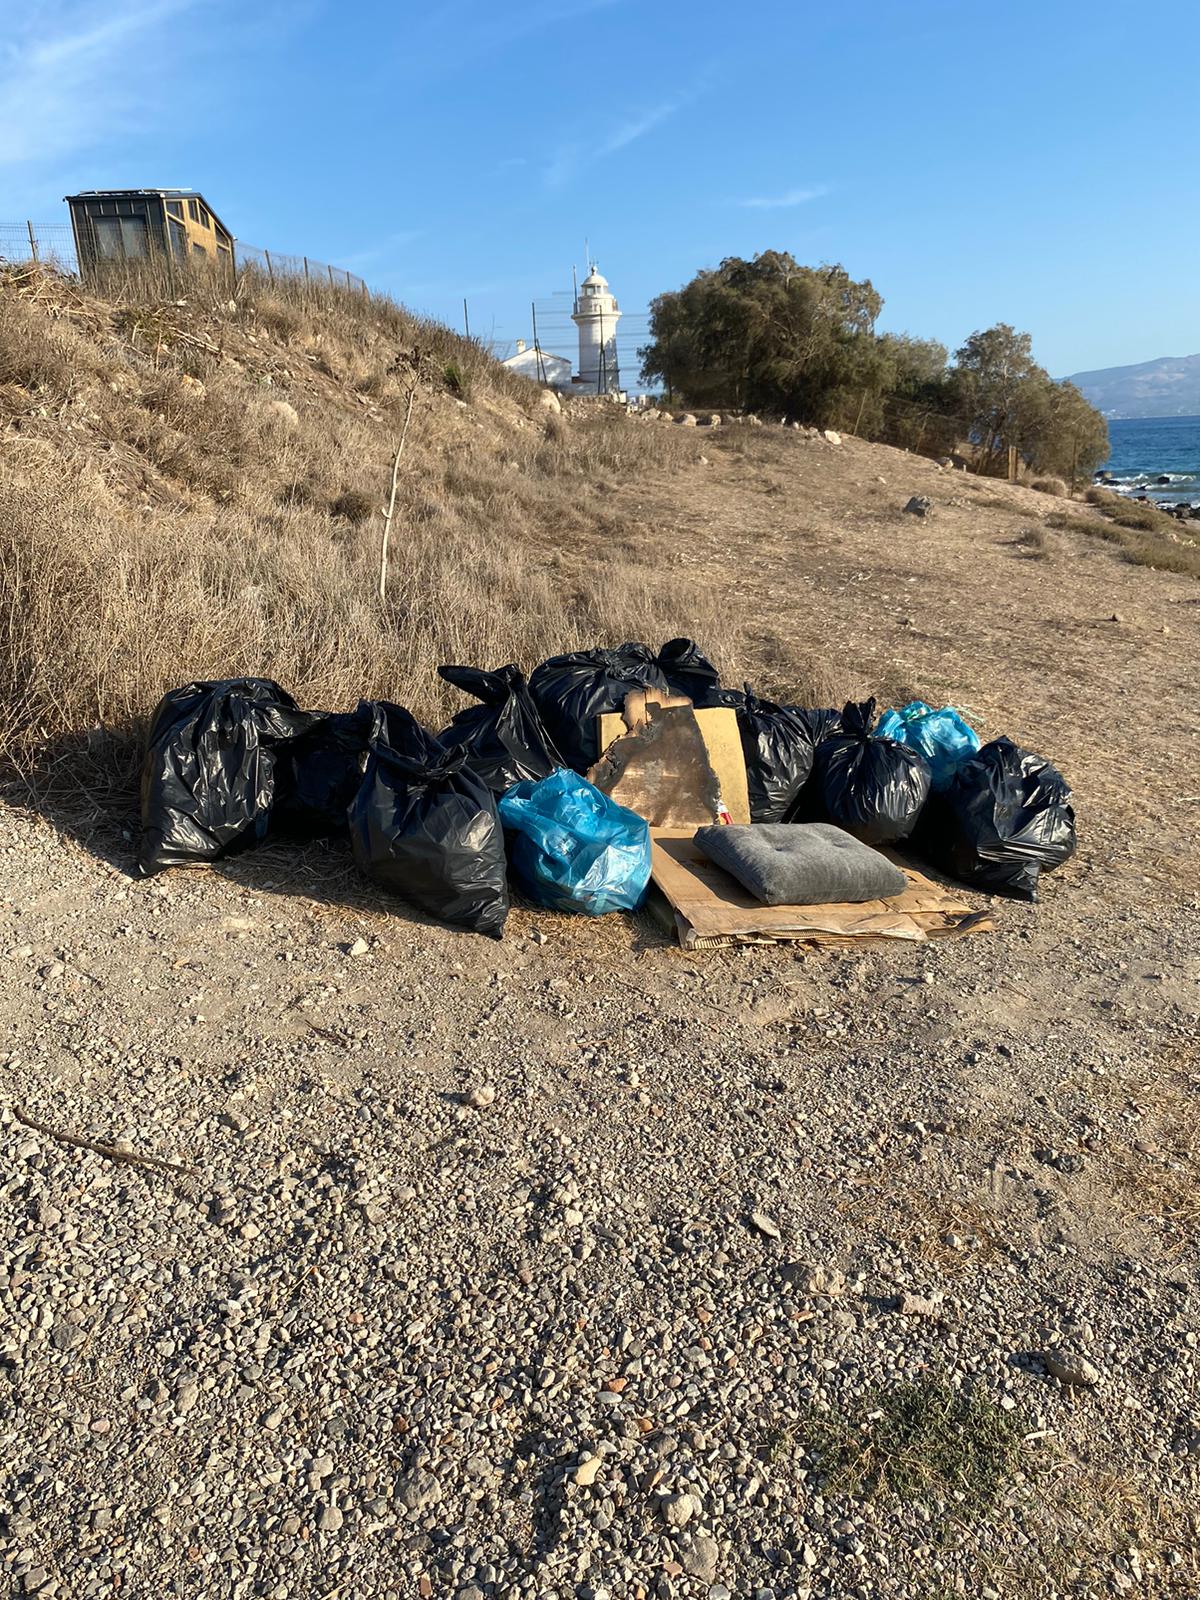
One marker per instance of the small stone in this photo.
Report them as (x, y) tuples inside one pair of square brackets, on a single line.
[(329, 1518), (815, 1279), (918, 1305), (418, 1489), (1075, 1370), (831, 437), (919, 506), (187, 1392), (572, 1217), (358, 948), (765, 1224), (537, 936), (679, 1509), (700, 1557), (481, 1096), (585, 1472)]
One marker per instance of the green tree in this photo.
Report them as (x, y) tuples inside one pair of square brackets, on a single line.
[(771, 335), (766, 334), (1059, 431), (990, 371), (1004, 399)]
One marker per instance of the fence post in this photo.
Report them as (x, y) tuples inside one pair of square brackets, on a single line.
[(306, 277), (332, 285), (365, 290), (1012, 463), (270, 268), (33, 249)]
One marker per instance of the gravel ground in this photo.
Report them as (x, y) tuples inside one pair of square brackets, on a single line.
[(559, 1267)]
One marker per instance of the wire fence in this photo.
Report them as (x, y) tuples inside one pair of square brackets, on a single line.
[(53, 244), (551, 330)]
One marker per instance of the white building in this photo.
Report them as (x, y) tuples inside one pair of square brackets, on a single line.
[(540, 366), (596, 316)]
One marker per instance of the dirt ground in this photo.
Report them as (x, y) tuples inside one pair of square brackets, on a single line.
[(205, 1373)]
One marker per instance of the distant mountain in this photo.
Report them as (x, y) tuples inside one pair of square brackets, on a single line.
[(1168, 387)]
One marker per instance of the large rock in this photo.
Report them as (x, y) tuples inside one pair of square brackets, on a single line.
[(549, 401), (714, 420), (687, 420), (830, 437), (919, 506)]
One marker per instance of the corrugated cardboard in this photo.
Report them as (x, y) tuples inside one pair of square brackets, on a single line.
[(707, 907)]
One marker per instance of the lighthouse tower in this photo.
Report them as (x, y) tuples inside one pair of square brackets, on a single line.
[(596, 316)]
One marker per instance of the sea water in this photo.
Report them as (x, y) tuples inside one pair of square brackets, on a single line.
[(1145, 449)]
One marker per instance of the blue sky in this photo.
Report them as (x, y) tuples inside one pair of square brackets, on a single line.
[(1031, 163)]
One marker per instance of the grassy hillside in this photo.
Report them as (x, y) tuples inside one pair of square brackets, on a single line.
[(192, 489)]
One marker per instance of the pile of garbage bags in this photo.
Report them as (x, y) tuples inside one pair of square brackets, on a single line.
[(500, 795)]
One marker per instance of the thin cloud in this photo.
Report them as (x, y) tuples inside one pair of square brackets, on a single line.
[(372, 254), (780, 202), (566, 161), (637, 127), (65, 79)]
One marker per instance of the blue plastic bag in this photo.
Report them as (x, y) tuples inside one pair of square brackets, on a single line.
[(942, 737), (574, 848)]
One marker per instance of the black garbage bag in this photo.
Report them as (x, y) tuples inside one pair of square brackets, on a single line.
[(504, 739), (689, 671), (824, 722), (571, 691), (425, 826), (778, 749), (318, 775), (1005, 819), (873, 788), (209, 777)]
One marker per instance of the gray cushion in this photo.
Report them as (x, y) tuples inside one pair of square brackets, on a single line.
[(801, 863)]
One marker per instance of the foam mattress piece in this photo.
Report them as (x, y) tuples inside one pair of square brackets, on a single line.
[(801, 863)]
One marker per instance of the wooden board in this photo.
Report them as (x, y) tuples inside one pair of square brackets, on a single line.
[(719, 729), (707, 907)]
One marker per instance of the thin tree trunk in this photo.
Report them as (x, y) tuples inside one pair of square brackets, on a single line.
[(391, 506)]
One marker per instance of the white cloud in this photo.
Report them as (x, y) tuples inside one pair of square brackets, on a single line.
[(566, 161), (74, 73), (779, 202), (636, 127)]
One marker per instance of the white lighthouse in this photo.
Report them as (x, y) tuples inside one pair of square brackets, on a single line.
[(596, 316)]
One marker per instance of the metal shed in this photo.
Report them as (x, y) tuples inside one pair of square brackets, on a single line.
[(129, 225)]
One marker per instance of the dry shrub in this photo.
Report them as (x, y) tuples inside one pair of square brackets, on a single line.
[(1097, 496), (353, 505), (1049, 486), (1141, 515), (36, 355), (1036, 544)]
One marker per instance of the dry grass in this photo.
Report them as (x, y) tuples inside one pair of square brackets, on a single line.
[(164, 518), (1049, 486), (1144, 540)]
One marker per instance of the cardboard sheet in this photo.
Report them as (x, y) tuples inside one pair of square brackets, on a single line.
[(719, 730), (707, 907), (661, 770)]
